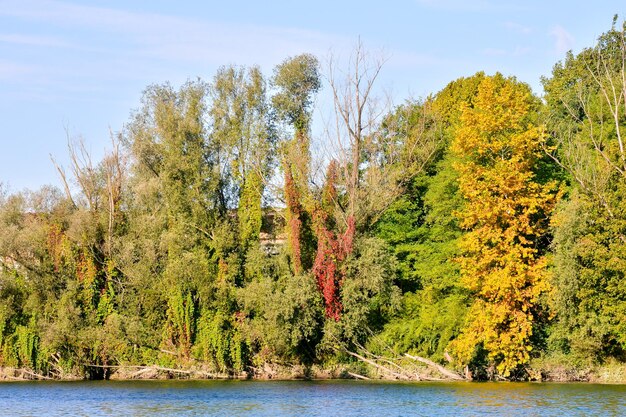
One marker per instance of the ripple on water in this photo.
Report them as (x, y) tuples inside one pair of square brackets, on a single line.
[(300, 398)]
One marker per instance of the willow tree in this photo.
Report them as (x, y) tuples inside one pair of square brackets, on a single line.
[(242, 128), (503, 262), (175, 204)]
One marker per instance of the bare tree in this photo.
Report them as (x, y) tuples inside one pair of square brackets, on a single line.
[(99, 186), (373, 164), (113, 166)]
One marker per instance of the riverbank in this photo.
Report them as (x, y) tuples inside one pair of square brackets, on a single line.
[(612, 373), (555, 370), (155, 372)]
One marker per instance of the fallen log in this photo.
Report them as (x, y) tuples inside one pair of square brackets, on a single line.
[(357, 376), (38, 376), (446, 372), (376, 365)]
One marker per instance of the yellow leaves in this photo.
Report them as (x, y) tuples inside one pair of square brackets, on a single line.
[(505, 216)]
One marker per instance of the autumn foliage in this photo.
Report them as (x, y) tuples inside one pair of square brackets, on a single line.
[(332, 250), (506, 218), (481, 228), (332, 247), (294, 222)]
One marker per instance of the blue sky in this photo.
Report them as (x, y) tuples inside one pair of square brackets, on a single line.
[(79, 67)]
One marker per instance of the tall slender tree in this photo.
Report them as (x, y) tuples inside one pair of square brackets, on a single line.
[(506, 213), (297, 80)]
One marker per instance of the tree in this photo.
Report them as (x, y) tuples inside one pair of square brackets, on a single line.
[(297, 80), (368, 170), (506, 215), (241, 123), (586, 113), (586, 116), (176, 203), (421, 229)]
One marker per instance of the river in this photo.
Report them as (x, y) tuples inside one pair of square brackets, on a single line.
[(306, 398)]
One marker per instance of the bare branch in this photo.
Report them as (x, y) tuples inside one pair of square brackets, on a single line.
[(66, 186)]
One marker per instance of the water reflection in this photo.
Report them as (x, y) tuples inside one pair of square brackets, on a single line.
[(293, 398)]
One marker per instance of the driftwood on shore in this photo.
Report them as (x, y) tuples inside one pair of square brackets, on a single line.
[(378, 366), (446, 372), (399, 369), (396, 367), (151, 371), (21, 374), (357, 376)]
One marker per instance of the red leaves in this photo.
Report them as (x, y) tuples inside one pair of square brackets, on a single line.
[(325, 270), (332, 250), (332, 247)]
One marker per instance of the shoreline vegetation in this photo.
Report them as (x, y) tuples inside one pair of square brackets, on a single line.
[(600, 374), (476, 234)]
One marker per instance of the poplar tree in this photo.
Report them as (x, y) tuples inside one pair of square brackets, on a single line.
[(297, 80), (503, 262)]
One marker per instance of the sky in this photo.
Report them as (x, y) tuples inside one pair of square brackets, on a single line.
[(77, 69)]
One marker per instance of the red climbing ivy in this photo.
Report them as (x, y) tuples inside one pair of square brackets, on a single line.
[(332, 248)]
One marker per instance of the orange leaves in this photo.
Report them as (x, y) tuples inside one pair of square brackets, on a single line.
[(59, 246), (294, 224)]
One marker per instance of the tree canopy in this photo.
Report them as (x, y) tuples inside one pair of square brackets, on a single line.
[(480, 228)]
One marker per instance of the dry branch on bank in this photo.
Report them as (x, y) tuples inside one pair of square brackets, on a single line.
[(404, 370), (154, 371), (446, 372)]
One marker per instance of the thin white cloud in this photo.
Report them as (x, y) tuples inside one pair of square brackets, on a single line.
[(156, 47), (175, 38), (518, 28), (30, 40), (62, 13), (11, 70), (120, 47), (563, 40), (217, 44)]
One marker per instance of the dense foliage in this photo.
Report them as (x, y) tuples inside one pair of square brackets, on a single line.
[(480, 227)]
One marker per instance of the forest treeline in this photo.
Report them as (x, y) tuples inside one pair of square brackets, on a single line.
[(481, 227)]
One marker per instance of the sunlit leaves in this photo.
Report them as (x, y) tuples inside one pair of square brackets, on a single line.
[(506, 217)]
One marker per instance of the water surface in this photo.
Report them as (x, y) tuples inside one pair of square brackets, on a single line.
[(306, 398)]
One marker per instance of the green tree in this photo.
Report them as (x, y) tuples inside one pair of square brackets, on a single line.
[(586, 117), (241, 123), (422, 230), (176, 203)]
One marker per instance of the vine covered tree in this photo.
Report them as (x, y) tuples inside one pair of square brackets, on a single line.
[(297, 80)]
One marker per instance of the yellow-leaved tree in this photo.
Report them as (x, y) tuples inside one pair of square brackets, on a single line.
[(506, 212)]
